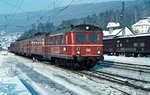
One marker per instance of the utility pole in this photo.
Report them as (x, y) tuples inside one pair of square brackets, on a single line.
[(122, 18), (135, 14), (5, 26)]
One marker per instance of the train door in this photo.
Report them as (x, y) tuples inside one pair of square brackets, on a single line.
[(47, 43)]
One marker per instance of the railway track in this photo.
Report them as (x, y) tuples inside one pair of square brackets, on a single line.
[(127, 81), (91, 77), (134, 67), (139, 84)]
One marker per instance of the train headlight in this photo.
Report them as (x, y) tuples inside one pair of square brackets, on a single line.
[(98, 52), (78, 52), (87, 27), (65, 49)]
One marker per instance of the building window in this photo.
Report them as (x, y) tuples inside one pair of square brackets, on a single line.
[(141, 26)]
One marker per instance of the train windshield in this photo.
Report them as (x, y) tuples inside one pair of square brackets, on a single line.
[(81, 38), (94, 38)]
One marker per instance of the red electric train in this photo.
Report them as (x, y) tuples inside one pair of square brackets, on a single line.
[(80, 45)]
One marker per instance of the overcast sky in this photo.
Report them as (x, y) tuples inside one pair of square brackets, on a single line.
[(12, 6)]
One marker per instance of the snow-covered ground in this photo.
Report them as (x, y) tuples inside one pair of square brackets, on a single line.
[(132, 60), (45, 79), (126, 72), (12, 86)]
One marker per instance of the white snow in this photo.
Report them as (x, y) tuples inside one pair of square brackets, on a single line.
[(131, 60), (3, 52), (45, 79), (142, 26), (116, 31), (12, 86), (142, 22), (113, 24), (125, 72)]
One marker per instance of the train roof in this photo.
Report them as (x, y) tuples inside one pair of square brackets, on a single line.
[(37, 36), (126, 36), (78, 28)]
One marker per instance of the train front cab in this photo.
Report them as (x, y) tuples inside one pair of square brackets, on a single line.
[(87, 47)]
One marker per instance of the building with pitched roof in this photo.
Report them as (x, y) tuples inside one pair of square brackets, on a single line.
[(116, 32), (142, 26)]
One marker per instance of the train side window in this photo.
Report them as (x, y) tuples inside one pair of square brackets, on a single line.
[(142, 44), (120, 44), (135, 44), (61, 39), (50, 40), (117, 45), (118, 41), (43, 42), (55, 40), (127, 40)]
